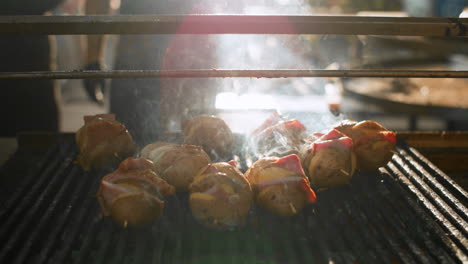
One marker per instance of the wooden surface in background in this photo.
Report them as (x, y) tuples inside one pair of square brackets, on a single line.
[(447, 150)]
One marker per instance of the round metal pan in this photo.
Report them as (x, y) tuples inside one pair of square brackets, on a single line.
[(391, 106), (380, 103)]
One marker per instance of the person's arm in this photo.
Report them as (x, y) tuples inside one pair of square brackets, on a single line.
[(95, 51), (96, 43)]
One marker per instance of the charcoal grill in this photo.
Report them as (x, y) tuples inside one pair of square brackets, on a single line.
[(408, 212)]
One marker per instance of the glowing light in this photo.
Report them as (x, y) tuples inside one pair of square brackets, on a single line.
[(115, 4), (246, 101)]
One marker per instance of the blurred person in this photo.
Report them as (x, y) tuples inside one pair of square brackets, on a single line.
[(27, 105), (151, 106)]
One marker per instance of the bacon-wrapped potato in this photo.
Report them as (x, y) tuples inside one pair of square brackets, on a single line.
[(132, 195), (280, 185), (220, 196), (328, 160), (210, 132), (103, 141), (177, 164), (278, 137), (373, 144)]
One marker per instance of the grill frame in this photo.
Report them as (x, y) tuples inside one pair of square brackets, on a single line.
[(401, 219), (446, 27), (235, 24), (52, 200)]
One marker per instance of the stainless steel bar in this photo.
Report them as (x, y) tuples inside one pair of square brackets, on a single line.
[(233, 24), (214, 73)]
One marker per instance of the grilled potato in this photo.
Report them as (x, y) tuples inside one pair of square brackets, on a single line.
[(210, 132), (280, 185), (278, 137), (329, 160), (220, 196), (373, 144), (132, 195), (177, 164), (102, 142)]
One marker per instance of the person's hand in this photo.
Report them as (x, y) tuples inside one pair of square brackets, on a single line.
[(94, 87)]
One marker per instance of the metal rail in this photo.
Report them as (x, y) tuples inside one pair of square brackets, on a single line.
[(214, 73), (233, 24)]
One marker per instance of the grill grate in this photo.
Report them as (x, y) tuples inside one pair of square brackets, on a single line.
[(410, 212)]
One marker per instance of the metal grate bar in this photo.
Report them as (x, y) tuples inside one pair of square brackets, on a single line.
[(268, 232), (350, 206), (187, 234), (401, 211), (180, 240), (141, 247), (384, 218), (251, 235), (196, 242), (434, 212), (433, 197), (327, 211), (81, 220), (413, 206), (309, 246), (291, 249), (444, 179), (29, 182), (233, 24), (388, 220), (31, 205), (435, 186), (218, 73), (160, 239), (72, 186), (105, 241), (119, 248), (87, 250), (376, 226), (368, 244)]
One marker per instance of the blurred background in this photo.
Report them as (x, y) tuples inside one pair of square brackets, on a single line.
[(397, 103)]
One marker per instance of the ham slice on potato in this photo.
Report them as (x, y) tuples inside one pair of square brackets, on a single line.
[(373, 144), (280, 185), (278, 137), (132, 195), (328, 159)]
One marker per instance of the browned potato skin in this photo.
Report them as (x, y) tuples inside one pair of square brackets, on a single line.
[(210, 132), (252, 174), (103, 141), (346, 127), (281, 199), (131, 195), (220, 196), (177, 164), (329, 167), (136, 209), (371, 150)]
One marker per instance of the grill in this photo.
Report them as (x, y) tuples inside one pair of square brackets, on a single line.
[(409, 212)]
